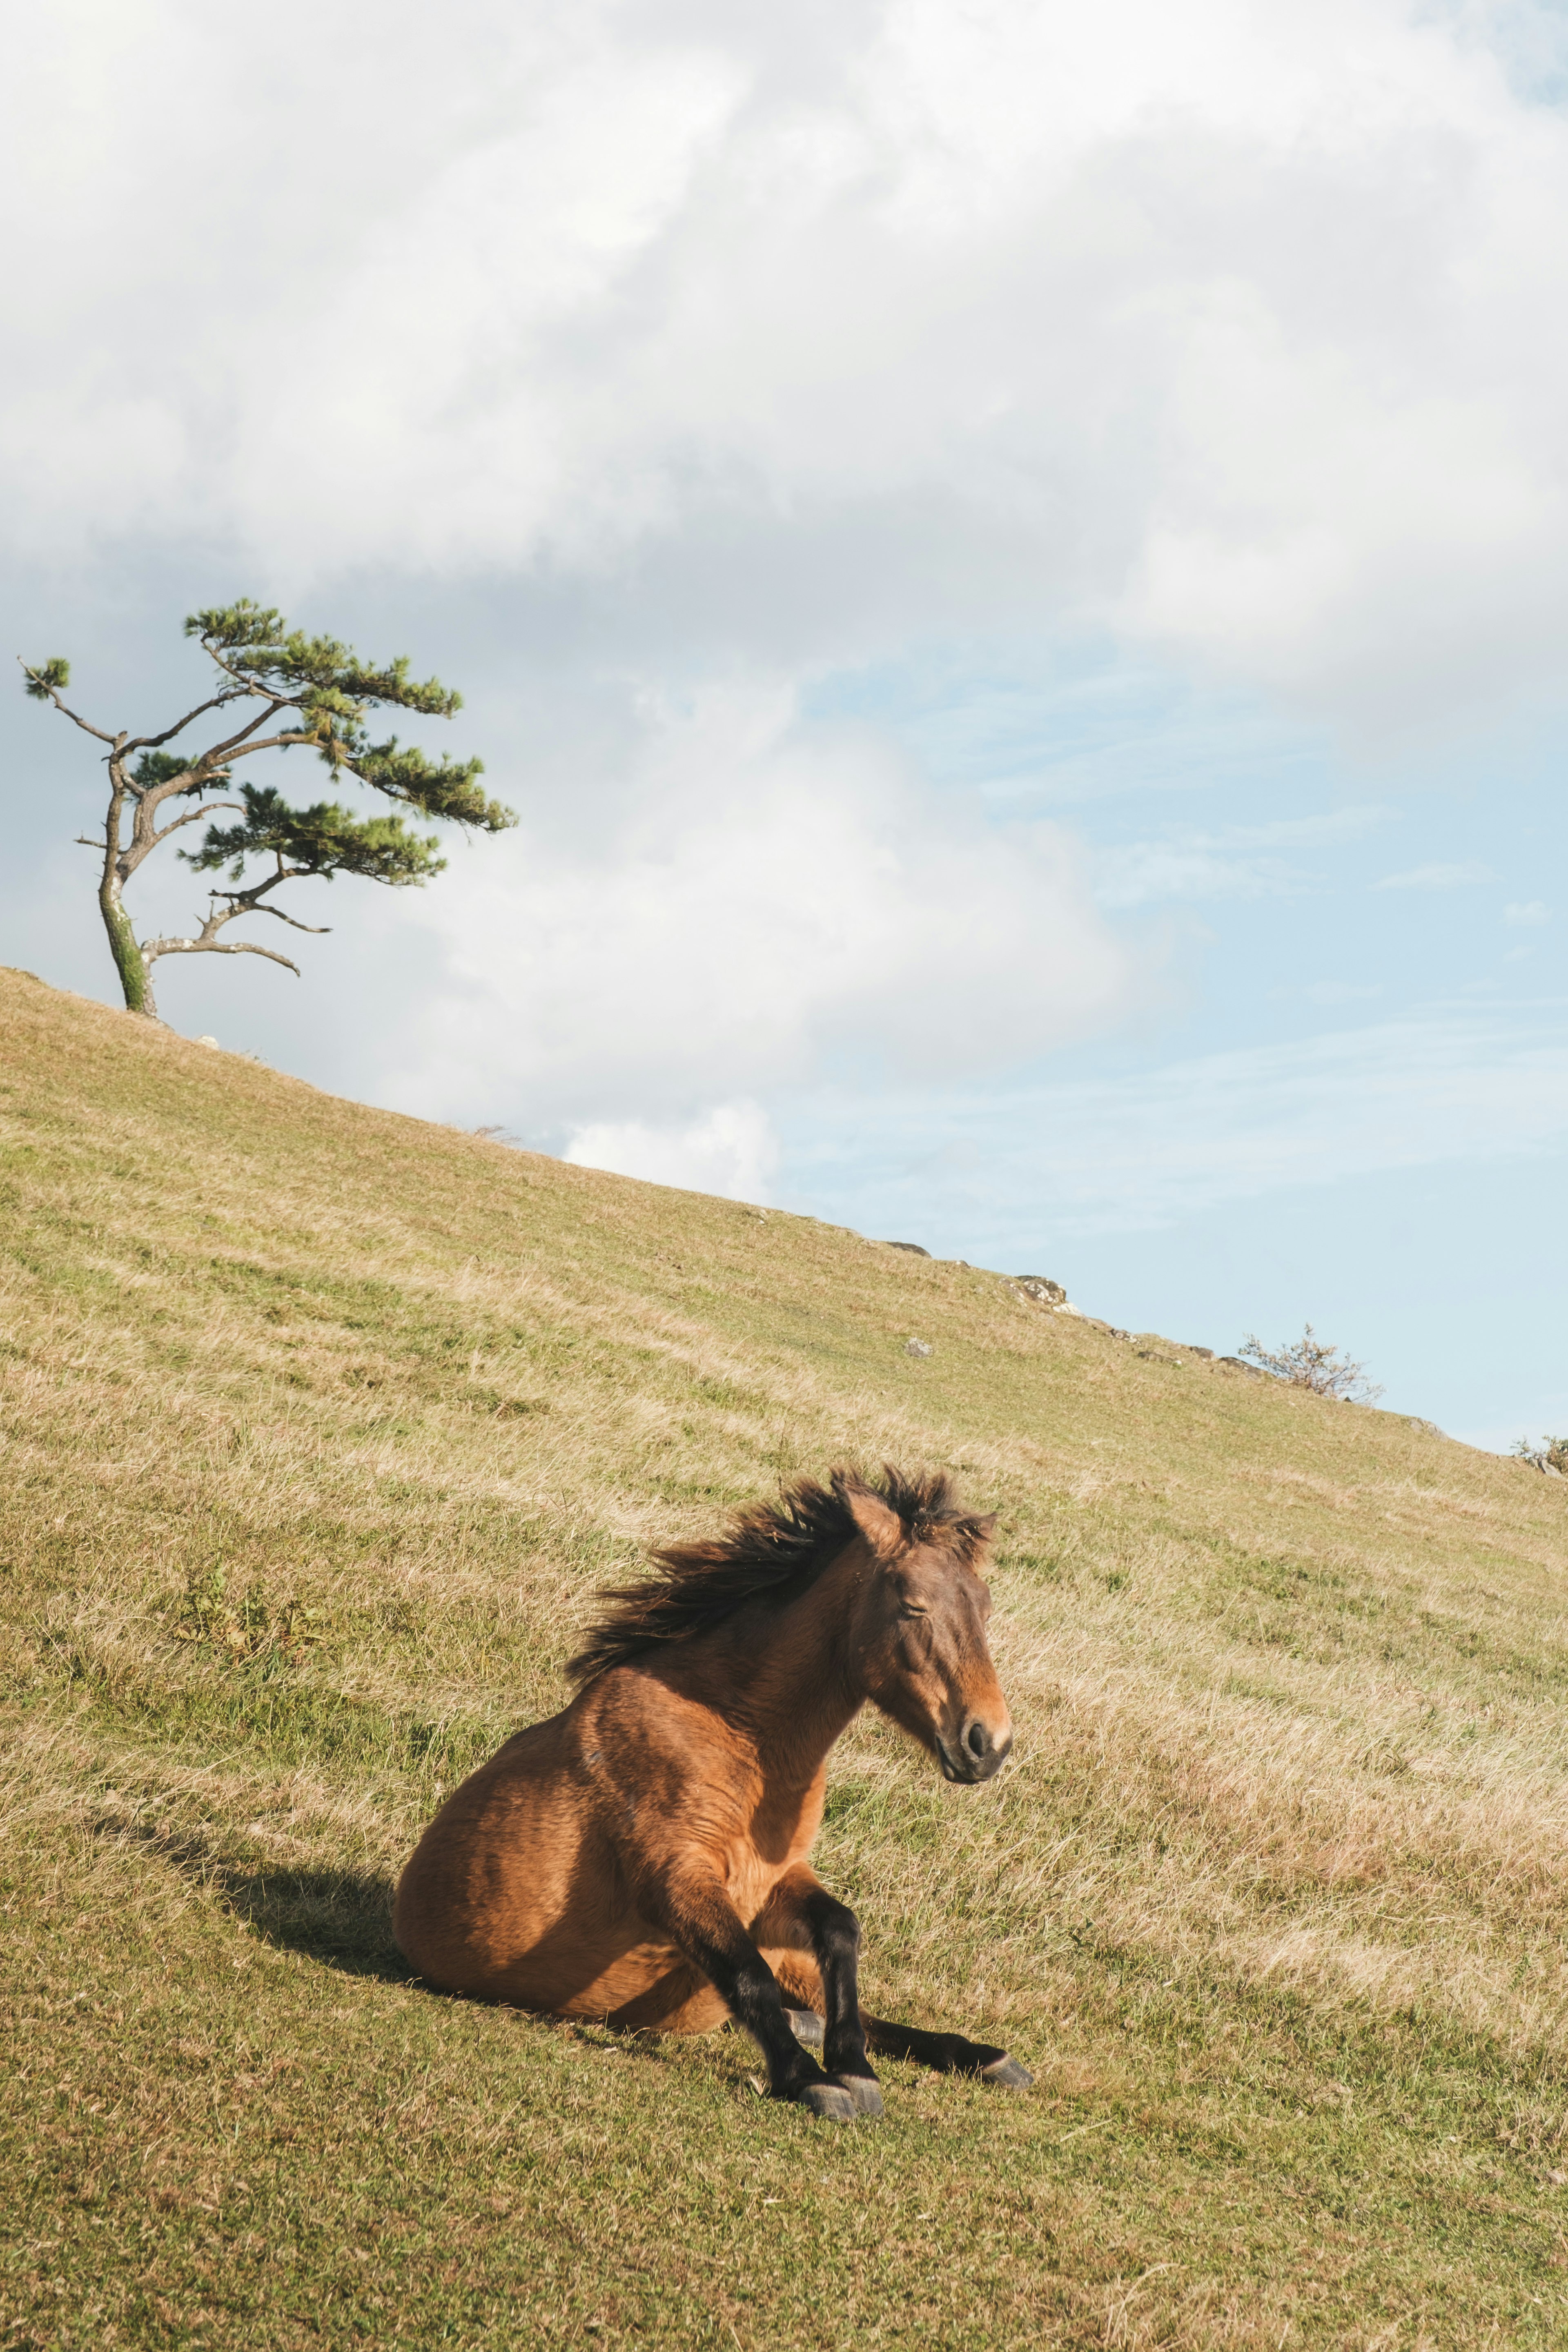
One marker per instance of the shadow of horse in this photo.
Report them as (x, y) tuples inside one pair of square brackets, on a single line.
[(341, 1918)]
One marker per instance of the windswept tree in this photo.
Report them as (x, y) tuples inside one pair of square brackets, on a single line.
[(314, 695)]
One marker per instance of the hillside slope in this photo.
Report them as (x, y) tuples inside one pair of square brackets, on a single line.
[(321, 1425)]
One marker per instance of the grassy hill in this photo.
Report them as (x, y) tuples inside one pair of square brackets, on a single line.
[(319, 1427)]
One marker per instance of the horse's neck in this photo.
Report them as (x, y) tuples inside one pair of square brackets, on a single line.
[(799, 1690)]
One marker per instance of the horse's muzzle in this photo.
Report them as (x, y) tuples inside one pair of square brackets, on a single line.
[(976, 1754)]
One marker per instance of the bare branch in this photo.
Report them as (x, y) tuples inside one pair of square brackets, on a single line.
[(151, 796), (271, 742), (214, 761), (320, 930), (53, 692), (219, 756), (1317, 1364), (195, 816), (153, 949), (90, 844), (231, 742), (214, 702), (243, 901)]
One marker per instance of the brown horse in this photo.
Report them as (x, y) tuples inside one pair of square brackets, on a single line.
[(641, 1858)]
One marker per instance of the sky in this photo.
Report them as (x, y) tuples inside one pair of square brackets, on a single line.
[(1010, 560)]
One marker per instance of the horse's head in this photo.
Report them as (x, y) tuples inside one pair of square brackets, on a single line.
[(920, 1632)]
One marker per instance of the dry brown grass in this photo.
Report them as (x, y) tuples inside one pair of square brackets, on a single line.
[(321, 1425)]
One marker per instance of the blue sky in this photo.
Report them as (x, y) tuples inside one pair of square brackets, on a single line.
[(1011, 560), (1350, 1101)]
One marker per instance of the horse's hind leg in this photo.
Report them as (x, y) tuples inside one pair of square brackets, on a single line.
[(681, 2001), (948, 2053), (800, 1981)]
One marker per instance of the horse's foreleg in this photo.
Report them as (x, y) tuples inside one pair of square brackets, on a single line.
[(948, 2053), (699, 1915), (800, 1911)]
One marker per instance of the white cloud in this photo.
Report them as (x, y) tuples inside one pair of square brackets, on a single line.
[(1437, 878), (1522, 913), (733, 1151), (1230, 324), (753, 904), (758, 343)]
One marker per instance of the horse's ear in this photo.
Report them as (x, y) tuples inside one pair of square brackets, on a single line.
[(982, 1528), (882, 1528)]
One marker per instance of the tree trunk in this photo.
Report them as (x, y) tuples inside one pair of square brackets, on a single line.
[(134, 977)]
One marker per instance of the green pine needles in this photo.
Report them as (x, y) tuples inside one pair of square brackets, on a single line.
[(322, 694)]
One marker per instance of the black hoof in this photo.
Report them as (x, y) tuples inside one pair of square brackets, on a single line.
[(826, 2100), (806, 2027), (865, 2090), (1008, 2074)]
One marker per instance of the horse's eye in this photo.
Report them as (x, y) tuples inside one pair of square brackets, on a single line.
[(915, 1609)]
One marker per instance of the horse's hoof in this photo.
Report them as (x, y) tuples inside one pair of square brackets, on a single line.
[(865, 2090), (806, 2027), (826, 2100), (1008, 2074)]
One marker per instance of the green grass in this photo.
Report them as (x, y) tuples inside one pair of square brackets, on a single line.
[(321, 1427)]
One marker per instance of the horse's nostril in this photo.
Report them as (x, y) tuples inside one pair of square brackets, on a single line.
[(975, 1739)]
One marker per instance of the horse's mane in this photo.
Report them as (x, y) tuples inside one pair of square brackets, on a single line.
[(767, 1547)]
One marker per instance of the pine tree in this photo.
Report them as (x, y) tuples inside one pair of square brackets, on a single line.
[(321, 692)]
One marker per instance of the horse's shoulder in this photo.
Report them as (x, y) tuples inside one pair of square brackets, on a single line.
[(643, 1724)]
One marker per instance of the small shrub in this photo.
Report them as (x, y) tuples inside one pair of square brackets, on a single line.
[(1313, 1363), (1551, 1453)]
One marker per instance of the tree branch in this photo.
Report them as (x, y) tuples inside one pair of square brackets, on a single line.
[(193, 816), (216, 759), (219, 755), (320, 930), (53, 692), (214, 702), (153, 949), (248, 684), (151, 796), (243, 902), (270, 743), (277, 702)]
